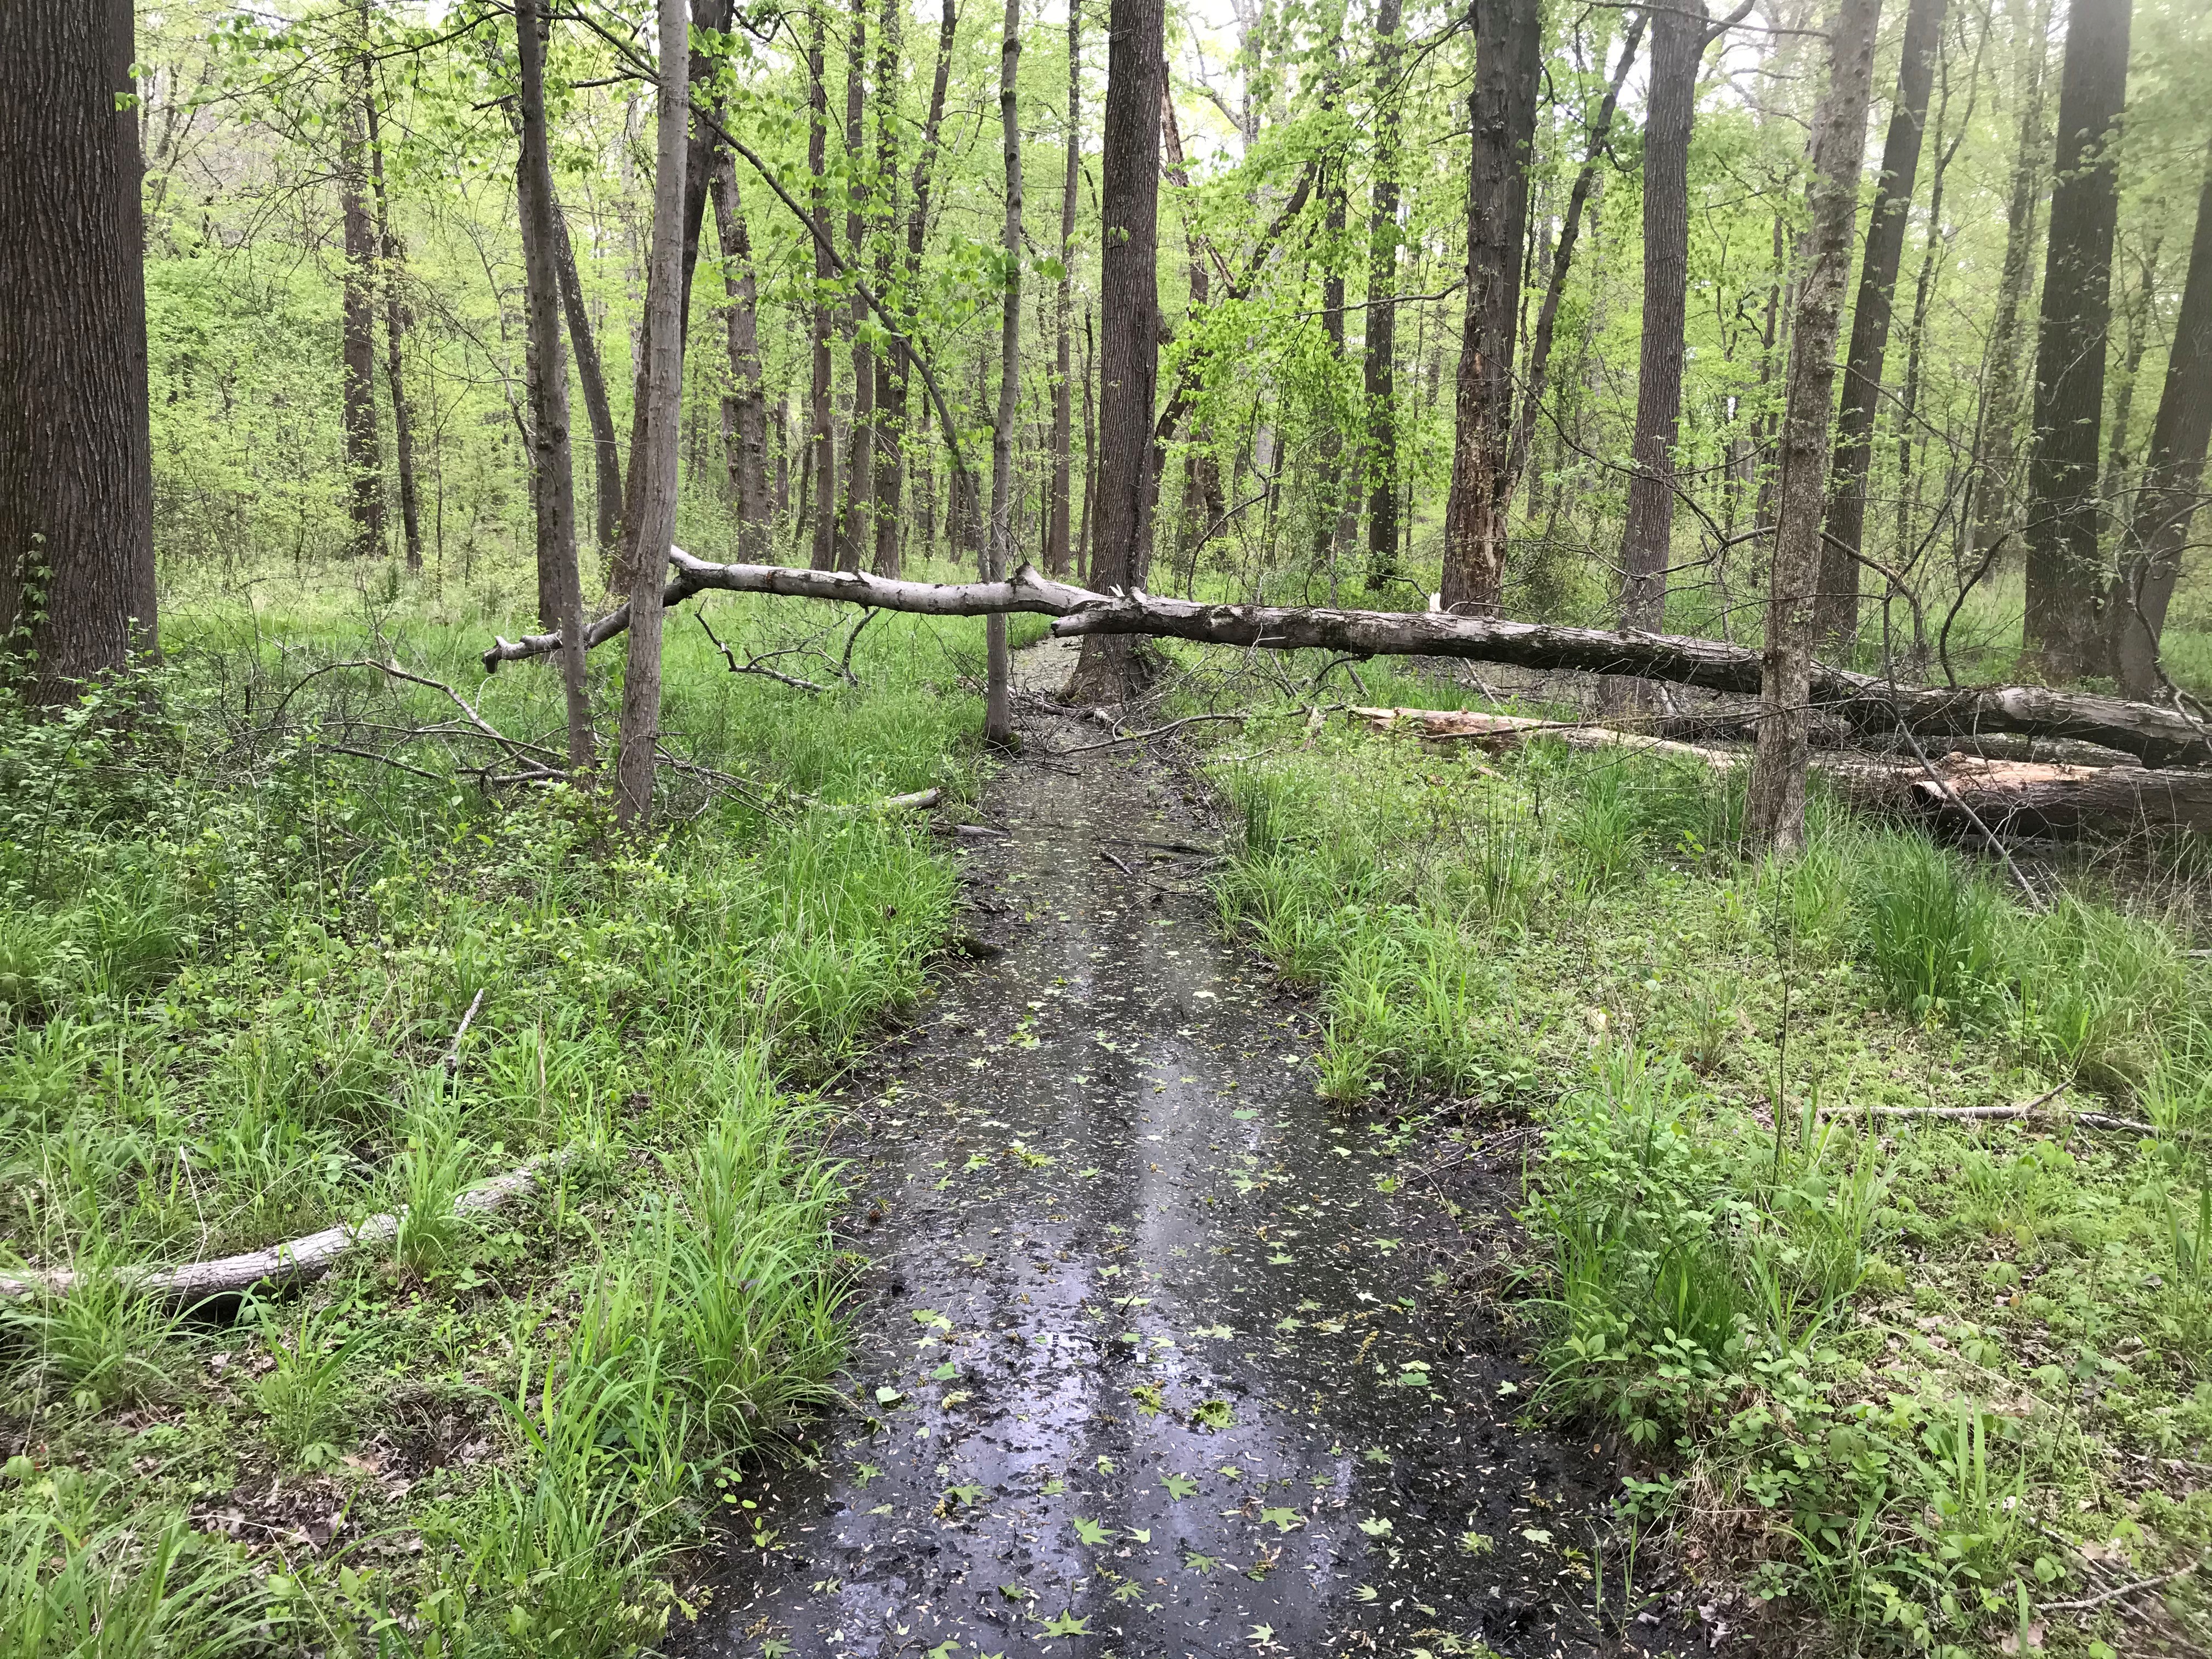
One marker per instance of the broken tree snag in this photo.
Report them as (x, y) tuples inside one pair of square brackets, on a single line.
[(2156, 736), (2033, 798)]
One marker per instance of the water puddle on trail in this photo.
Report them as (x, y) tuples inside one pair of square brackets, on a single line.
[(1145, 1358)]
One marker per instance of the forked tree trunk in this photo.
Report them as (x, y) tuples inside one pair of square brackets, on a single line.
[(1836, 616), (1507, 61), (395, 329), (997, 708), (560, 583), (653, 464), (1056, 546), (1777, 804), (77, 469), (2167, 497), (1129, 165), (1378, 365), (2065, 570)]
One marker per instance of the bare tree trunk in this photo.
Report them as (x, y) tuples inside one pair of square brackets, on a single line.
[(76, 467), (2066, 584), (1507, 61), (744, 407), (1994, 486), (1089, 456), (1201, 471), (1379, 369), (606, 452), (2174, 470), (1328, 491), (822, 443), (395, 328), (1130, 165), (1562, 256), (1063, 392), (1777, 804), (997, 708), (2141, 316), (653, 463), (856, 501), (554, 479), (890, 367), (1836, 614), (363, 452)]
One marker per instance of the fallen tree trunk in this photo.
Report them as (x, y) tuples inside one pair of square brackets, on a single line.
[(2158, 737)]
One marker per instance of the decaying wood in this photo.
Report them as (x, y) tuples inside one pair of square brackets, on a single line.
[(2158, 737), (294, 1262)]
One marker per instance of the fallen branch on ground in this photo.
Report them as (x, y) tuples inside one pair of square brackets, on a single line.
[(2140, 1585), (2158, 737)]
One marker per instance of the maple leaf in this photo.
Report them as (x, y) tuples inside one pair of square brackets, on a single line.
[(1067, 1625)]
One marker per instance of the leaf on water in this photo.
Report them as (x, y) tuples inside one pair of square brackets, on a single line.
[(1283, 1520), (1091, 1531), (1067, 1625), (1140, 1534), (1376, 1455), (1128, 1590), (1105, 1465), (1054, 1487), (1279, 1260), (1180, 1485), (930, 1317), (1289, 1323), (888, 1396), (1244, 1114), (1477, 1543), (866, 1472), (1151, 1401), (1014, 1592), (1536, 1535), (1376, 1526), (1365, 1593), (968, 1494), (1089, 1174), (1197, 1563), (954, 1397), (1214, 1415), (944, 1373)]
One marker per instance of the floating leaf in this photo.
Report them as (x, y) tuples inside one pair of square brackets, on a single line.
[(1091, 1531), (1214, 1415), (1067, 1625), (1283, 1520), (968, 1494), (1376, 1526), (930, 1317), (888, 1396), (945, 1372), (1180, 1485), (1197, 1563), (1140, 1534), (1536, 1535)]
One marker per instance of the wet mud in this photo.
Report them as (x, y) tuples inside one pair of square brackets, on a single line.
[(1156, 1353)]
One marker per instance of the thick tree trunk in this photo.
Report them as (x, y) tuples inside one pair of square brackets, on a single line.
[(364, 457), (2168, 495), (821, 439), (1993, 485), (1129, 165), (1378, 364), (856, 500), (744, 406), (1562, 256), (1057, 539), (2066, 581), (1777, 804), (1836, 614), (1678, 48), (77, 469), (998, 707), (1090, 453), (653, 464), (606, 452), (1507, 61), (559, 582), (395, 329)]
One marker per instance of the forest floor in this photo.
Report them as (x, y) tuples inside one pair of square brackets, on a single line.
[(1157, 1352)]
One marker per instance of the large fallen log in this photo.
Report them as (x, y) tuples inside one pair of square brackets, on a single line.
[(2156, 736), (2006, 796)]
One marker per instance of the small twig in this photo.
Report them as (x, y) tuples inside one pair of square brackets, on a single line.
[(752, 664), (1118, 864), (1140, 737), (371, 755), (2103, 1596), (845, 662), (452, 1061)]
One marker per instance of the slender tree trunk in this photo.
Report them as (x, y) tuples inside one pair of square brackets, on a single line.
[(1329, 486), (395, 328), (2172, 473), (554, 478), (1777, 804), (1056, 541), (77, 468), (653, 463), (822, 443), (2142, 315), (1836, 614), (1379, 358), (1129, 165), (891, 368), (1089, 456), (606, 452), (363, 452), (1562, 256), (1202, 496), (744, 407), (997, 708), (2065, 569), (856, 500), (1509, 59), (1995, 485)]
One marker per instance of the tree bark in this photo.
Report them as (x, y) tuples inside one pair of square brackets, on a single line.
[(1562, 256), (1507, 61), (1063, 390), (891, 367), (2066, 584), (1201, 472), (1090, 453), (1678, 48), (395, 328), (1130, 165), (1378, 365), (856, 500), (1776, 807), (744, 406), (559, 582), (606, 452), (364, 457), (998, 708), (653, 463), (1329, 492), (77, 469), (822, 444), (1835, 612), (2168, 495)]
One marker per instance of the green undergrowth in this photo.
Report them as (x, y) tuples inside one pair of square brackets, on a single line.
[(1922, 1376), (233, 960)]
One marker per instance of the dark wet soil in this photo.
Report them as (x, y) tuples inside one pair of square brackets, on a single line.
[(1155, 1354)]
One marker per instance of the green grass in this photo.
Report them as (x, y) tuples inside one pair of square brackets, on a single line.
[(231, 961), (1896, 1372)]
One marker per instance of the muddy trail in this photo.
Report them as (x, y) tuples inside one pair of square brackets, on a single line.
[(1154, 1355)]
